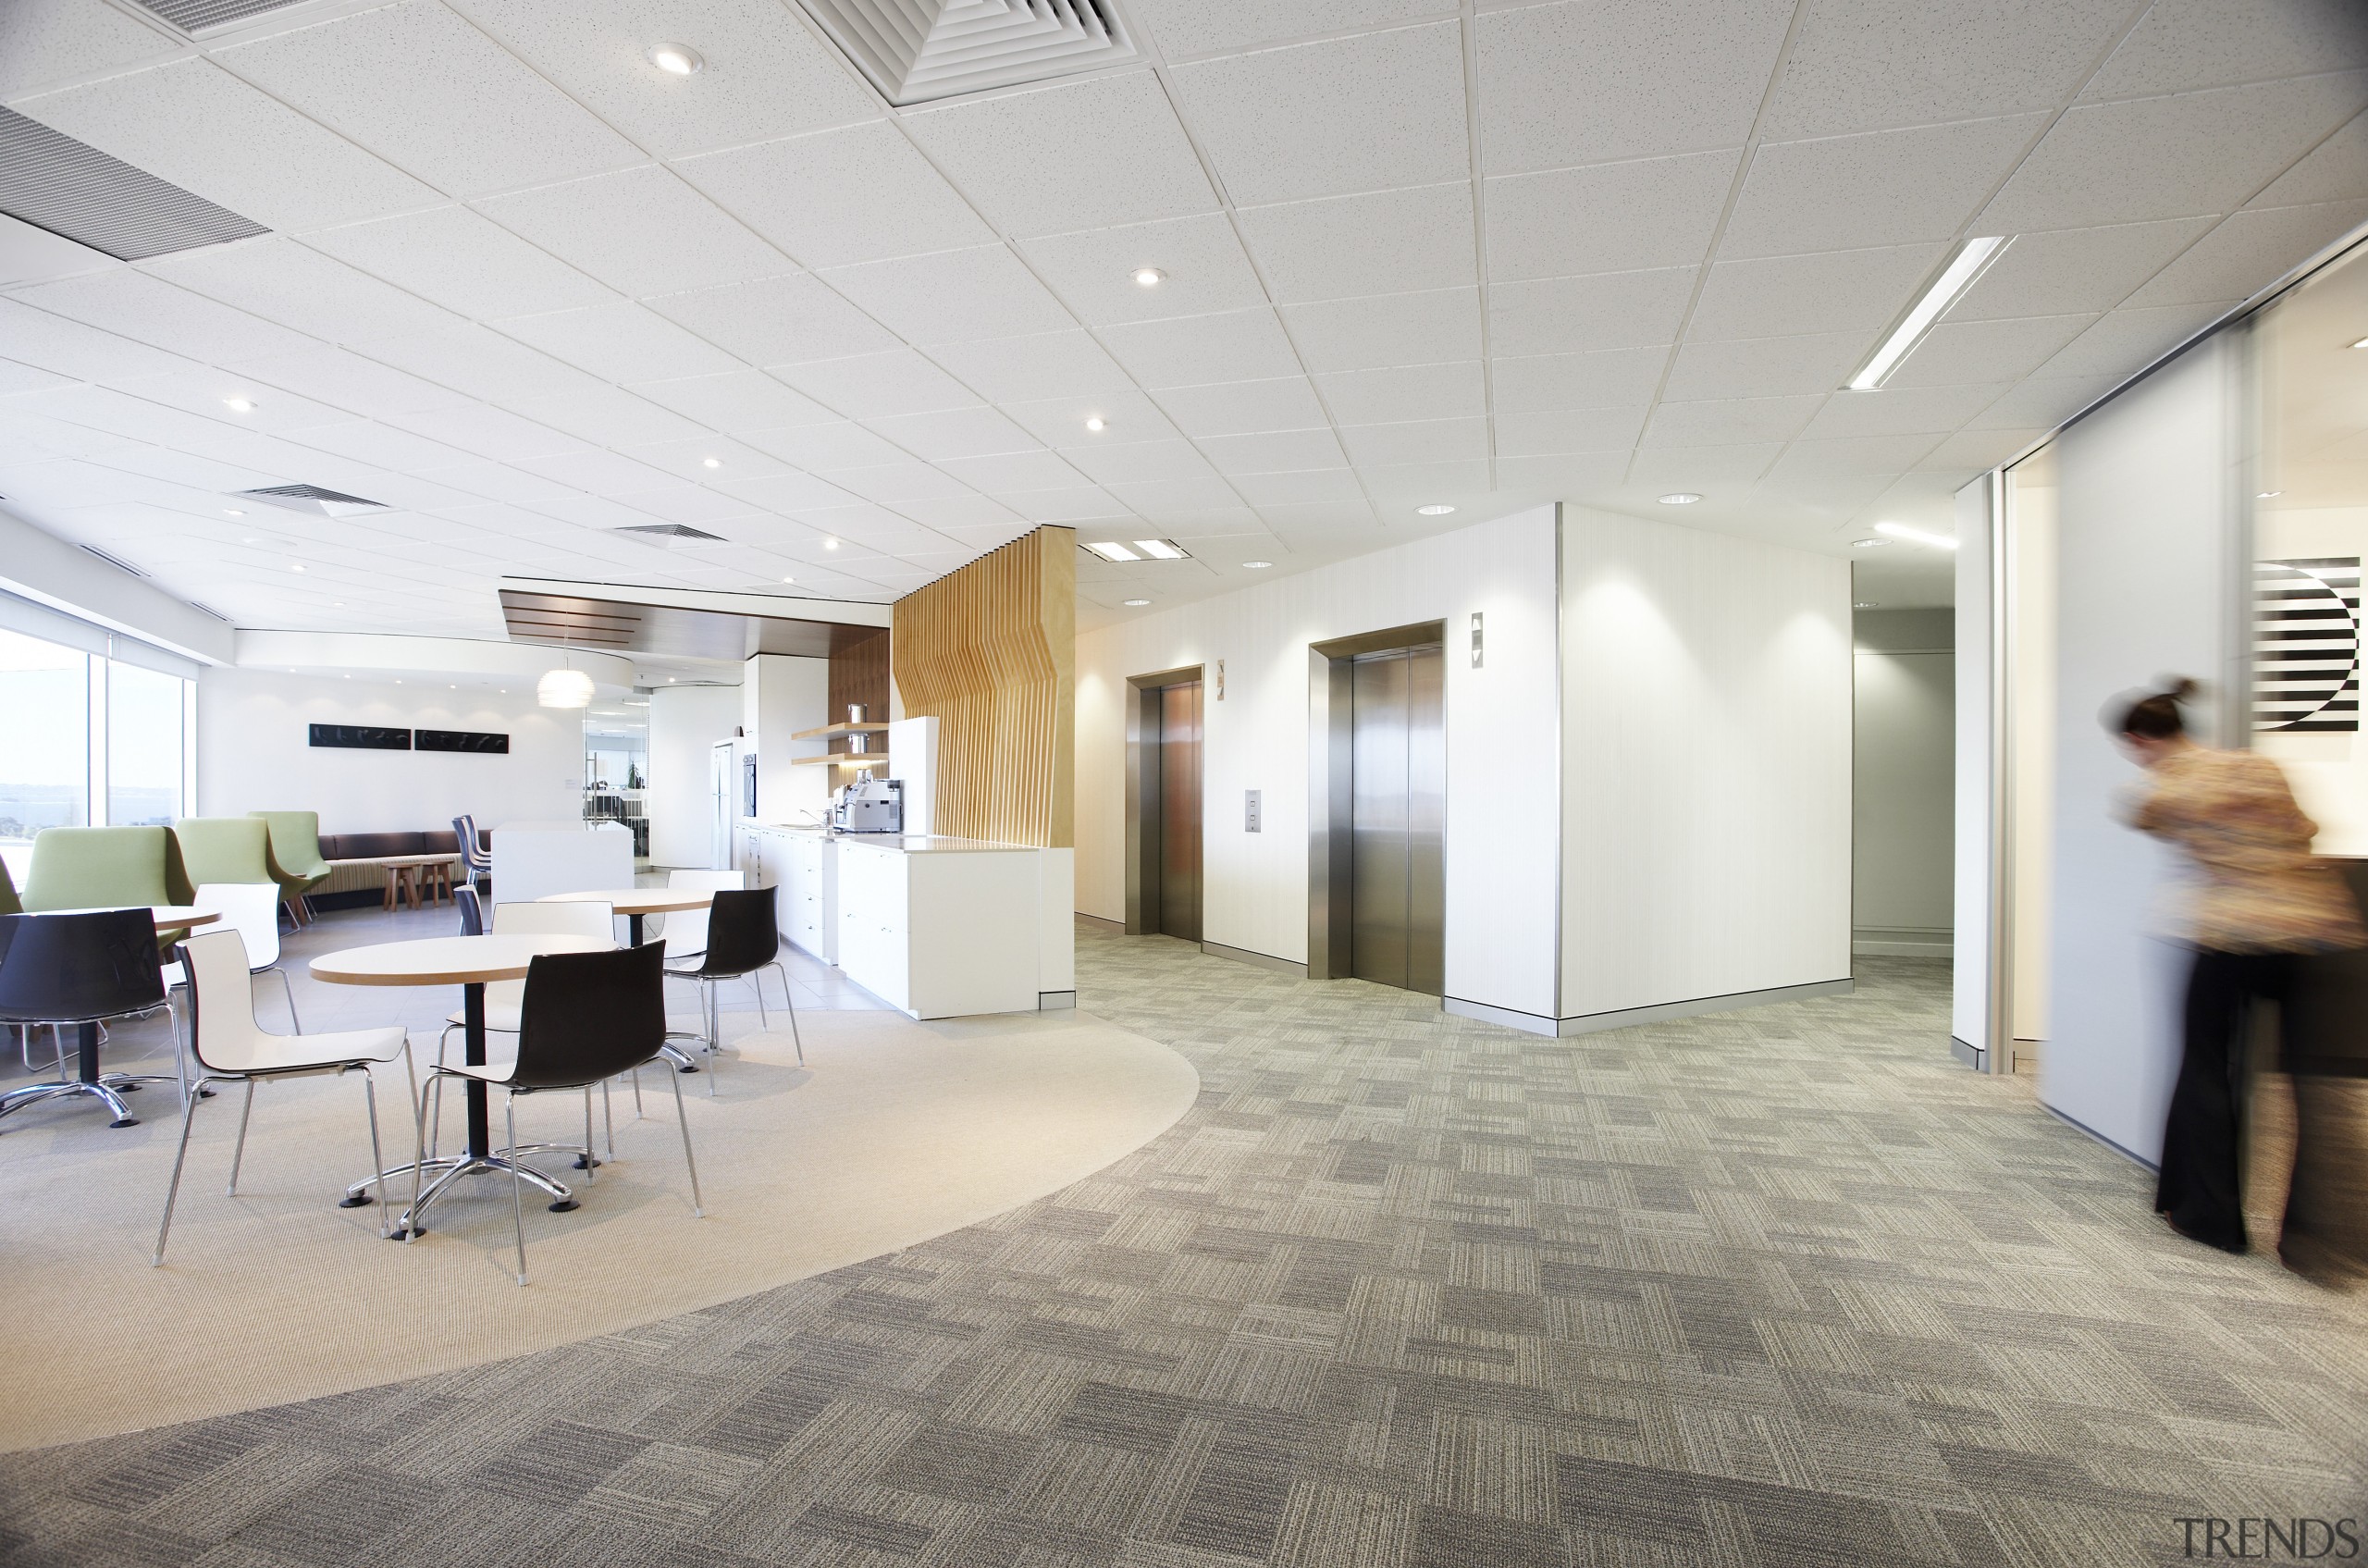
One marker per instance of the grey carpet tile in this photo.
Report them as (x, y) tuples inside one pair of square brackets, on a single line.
[(1402, 1290)]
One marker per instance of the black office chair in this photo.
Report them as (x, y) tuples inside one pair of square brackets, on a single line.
[(584, 1018), (743, 939), (78, 970), (466, 899), (477, 862)]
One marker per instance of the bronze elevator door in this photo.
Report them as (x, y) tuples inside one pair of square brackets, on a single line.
[(1180, 810)]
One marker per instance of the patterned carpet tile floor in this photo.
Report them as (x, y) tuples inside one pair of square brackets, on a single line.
[(1785, 1286)]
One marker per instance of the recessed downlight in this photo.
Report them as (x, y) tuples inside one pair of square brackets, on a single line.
[(295, 566), (712, 463), (234, 514), (1150, 277), (239, 405), (1436, 509), (1869, 544), (676, 59), (1679, 498), (1137, 603), (1097, 425), (830, 544), (1256, 565), (789, 579)]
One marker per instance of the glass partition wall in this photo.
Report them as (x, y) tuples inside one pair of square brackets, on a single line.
[(616, 766)]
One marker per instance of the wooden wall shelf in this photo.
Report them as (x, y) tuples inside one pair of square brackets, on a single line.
[(831, 731), (842, 758)]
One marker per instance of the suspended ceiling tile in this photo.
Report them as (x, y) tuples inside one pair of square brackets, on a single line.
[(2335, 170), (1432, 327), (605, 416), (1197, 351), (1380, 242), (1360, 113), (1537, 383), (1960, 351), (819, 448), (953, 296), (2070, 270), (1238, 408), (1700, 468), (871, 386), (487, 431), (2131, 338), (1185, 28), (1573, 476), (1127, 463), (1880, 188), (1400, 392), (1904, 410), (1569, 430), (140, 307), (461, 261), (2180, 46), (347, 380), (1398, 488), (1075, 503), (1662, 76), (1614, 310), (1852, 454), (1005, 475), (640, 231), (620, 342), (1721, 422), (43, 41), (687, 457), (1041, 366), (773, 321), (1070, 155), (301, 288), (2248, 251), (2041, 403), (476, 361), (838, 197), (736, 401), (954, 432), (1303, 487), (1608, 217), (1419, 440), (1129, 416), (1274, 452), (1786, 296), (1095, 272), (480, 120), (1174, 501)]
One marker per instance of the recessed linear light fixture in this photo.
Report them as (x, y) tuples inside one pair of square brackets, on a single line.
[(1869, 544), (1679, 498), (676, 59), (1110, 550), (2272, 495), (1868, 604), (1955, 279), (118, 565), (1162, 550), (1151, 278), (1137, 603), (1256, 565), (2362, 344), (1916, 535), (1436, 509)]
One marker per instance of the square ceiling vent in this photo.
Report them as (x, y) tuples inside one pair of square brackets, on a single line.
[(918, 50), (314, 499), (673, 535)]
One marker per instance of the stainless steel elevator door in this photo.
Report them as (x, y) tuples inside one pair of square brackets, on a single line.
[(1180, 810), (1397, 788)]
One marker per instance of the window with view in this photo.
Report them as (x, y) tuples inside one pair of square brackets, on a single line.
[(45, 741)]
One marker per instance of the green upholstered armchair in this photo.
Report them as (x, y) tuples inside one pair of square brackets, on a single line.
[(105, 868), (296, 845), (227, 849)]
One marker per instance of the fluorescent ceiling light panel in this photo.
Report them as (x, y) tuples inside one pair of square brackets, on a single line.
[(1955, 279), (1162, 550), (1109, 550), (1902, 531)]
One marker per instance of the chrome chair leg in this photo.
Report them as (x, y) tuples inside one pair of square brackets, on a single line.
[(517, 1186), (608, 1117), (173, 1192), (589, 1166), (289, 988), (682, 1118), (239, 1155), (377, 1156), (791, 1003)]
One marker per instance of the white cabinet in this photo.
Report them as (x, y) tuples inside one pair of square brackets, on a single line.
[(809, 895), (874, 949), (940, 932)]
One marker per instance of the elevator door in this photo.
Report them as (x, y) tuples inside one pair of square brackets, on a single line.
[(1180, 810), (1397, 797)]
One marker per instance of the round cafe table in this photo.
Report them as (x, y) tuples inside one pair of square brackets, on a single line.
[(635, 903), (470, 963), (87, 1079)]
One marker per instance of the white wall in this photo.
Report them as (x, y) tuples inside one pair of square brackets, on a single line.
[(1902, 784), (684, 724), (47, 570), (780, 696), (1706, 754), (1500, 845), (2144, 522), (252, 754), (1969, 967)]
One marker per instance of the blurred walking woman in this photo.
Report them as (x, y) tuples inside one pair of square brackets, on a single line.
[(2255, 901)]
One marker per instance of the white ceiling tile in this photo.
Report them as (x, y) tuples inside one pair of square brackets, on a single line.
[(1580, 83), (840, 196), (1168, 501), (1304, 487), (383, 446), (2249, 252), (1401, 392), (49, 41), (499, 481), (606, 416), (2043, 405), (821, 446), (1612, 310), (1124, 463), (1198, 351), (1764, 368), (348, 380), (871, 386), (640, 231), (1880, 188), (1018, 472), (461, 261), (620, 342), (1127, 416), (1404, 485), (16, 377), (1700, 468), (2180, 45), (1608, 217), (1419, 440), (31, 255), (2170, 157), (70, 349), (1382, 243), (2065, 271), (1184, 28), (205, 392), (1541, 383), (1567, 476), (2335, 170), (1432, 327), (137, 305), (1903, 410), (687, 457), (1040, 366), (1239, 408), (773, 321), (1852, 454), (1078, 504), (1093, 273), (298, 287), (1786, 296), (1274, 452), (896, 484), (784, 492), (197, 126), (2128, 340), (954, 432), (478, 121), (1866, 65), (476, 361), (1348, 526), (1958, 352), (1974, 450), (965, 510), (1724, 422), (767, 75), (953, 296), (1122, 157), (488, 432), (1360, 113), (736, 401), (1569, 430)]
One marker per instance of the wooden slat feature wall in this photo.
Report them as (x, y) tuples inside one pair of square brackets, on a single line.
[(991, 650), (859, 673)]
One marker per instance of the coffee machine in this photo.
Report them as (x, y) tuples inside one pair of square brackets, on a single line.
[(870, 805)]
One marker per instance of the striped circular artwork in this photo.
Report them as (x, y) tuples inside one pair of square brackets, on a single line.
[(2306, 644)]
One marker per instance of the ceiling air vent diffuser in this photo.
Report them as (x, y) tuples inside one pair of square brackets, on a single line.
[(916, 50), (673, 533), (52, 181), (314, 499), (112, 560), (200, 15)]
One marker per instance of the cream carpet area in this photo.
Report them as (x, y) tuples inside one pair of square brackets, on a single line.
[(894, 1133)]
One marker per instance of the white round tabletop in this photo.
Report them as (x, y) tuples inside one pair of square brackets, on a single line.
[(446, 960), (639, 900), (169, 917)]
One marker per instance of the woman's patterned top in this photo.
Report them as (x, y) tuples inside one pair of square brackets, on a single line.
[(2257, 888)]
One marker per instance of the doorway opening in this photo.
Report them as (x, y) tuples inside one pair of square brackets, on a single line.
[(1377, 847), (1164, 727)]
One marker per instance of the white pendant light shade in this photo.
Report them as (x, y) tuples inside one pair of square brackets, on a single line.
[(564, 688)]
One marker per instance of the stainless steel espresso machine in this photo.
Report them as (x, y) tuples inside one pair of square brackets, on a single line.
[(870, 805)]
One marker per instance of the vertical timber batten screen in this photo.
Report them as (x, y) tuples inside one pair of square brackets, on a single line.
[(991, 652)]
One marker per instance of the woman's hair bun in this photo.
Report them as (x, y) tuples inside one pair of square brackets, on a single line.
[(2180, 689)]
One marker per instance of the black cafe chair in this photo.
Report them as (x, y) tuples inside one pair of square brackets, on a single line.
[(78, 970), (584, 1018), (743, 938)]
